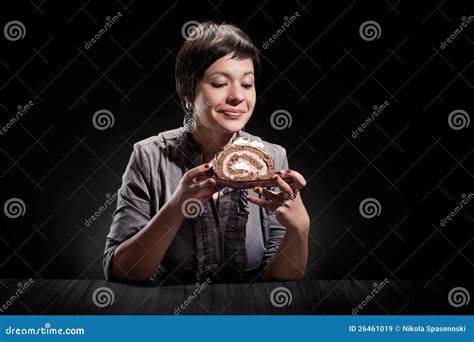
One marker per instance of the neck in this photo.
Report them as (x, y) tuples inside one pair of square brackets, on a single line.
[(211, 142)]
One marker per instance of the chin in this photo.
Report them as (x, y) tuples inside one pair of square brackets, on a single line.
[(232, 127)]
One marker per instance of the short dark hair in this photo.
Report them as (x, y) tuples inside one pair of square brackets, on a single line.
[(208, 42)]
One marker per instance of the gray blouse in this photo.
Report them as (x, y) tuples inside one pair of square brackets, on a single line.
[(230, 242)]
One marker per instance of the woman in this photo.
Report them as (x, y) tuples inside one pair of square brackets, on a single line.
[(240, 235)]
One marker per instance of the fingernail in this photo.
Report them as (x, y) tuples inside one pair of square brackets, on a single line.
[(289, 171), (206, 166), (276, 177)]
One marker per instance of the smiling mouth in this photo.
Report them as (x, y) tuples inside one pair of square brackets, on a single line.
[(232, 114)]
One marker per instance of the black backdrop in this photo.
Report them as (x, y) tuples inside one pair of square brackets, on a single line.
[(411, 161)]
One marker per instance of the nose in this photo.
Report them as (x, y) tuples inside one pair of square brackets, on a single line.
[(235, 96)]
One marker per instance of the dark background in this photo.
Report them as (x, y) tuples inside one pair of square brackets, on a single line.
[(320, 70)]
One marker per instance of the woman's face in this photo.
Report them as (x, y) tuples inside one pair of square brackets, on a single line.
[(225, 97)]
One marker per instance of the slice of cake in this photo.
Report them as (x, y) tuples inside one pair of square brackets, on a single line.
[(244, 160)]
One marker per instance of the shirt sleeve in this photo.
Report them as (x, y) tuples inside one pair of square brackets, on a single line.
[(276, 230), (133, 206)]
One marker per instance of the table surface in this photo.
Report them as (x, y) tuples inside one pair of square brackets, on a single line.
[(314, 297)]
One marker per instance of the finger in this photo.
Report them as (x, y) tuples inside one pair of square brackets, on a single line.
[(271, 195), (284, 186), (260, 202), (287, 178), (198, 170), (287, 204), (208, 183), (298, 179)]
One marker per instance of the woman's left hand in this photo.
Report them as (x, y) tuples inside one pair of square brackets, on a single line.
[(286, 203)]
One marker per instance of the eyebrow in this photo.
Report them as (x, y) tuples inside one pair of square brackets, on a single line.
[(228, 75)]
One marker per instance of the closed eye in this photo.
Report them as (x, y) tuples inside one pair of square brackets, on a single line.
[(218, 85)]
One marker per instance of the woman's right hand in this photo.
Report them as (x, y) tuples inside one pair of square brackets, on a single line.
[(138, 257), (196, 184)]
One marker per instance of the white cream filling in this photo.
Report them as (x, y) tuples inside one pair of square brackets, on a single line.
[(244, 167), (246, 142), (241, 166)]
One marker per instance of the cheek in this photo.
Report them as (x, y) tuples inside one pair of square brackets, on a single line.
[(251, 98), (211, 96), (205, 102)]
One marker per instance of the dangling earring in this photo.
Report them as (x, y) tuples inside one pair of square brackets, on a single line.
[(189, 121), (189, 106)]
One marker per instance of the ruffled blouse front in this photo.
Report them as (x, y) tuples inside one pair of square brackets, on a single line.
[(219, 231)]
